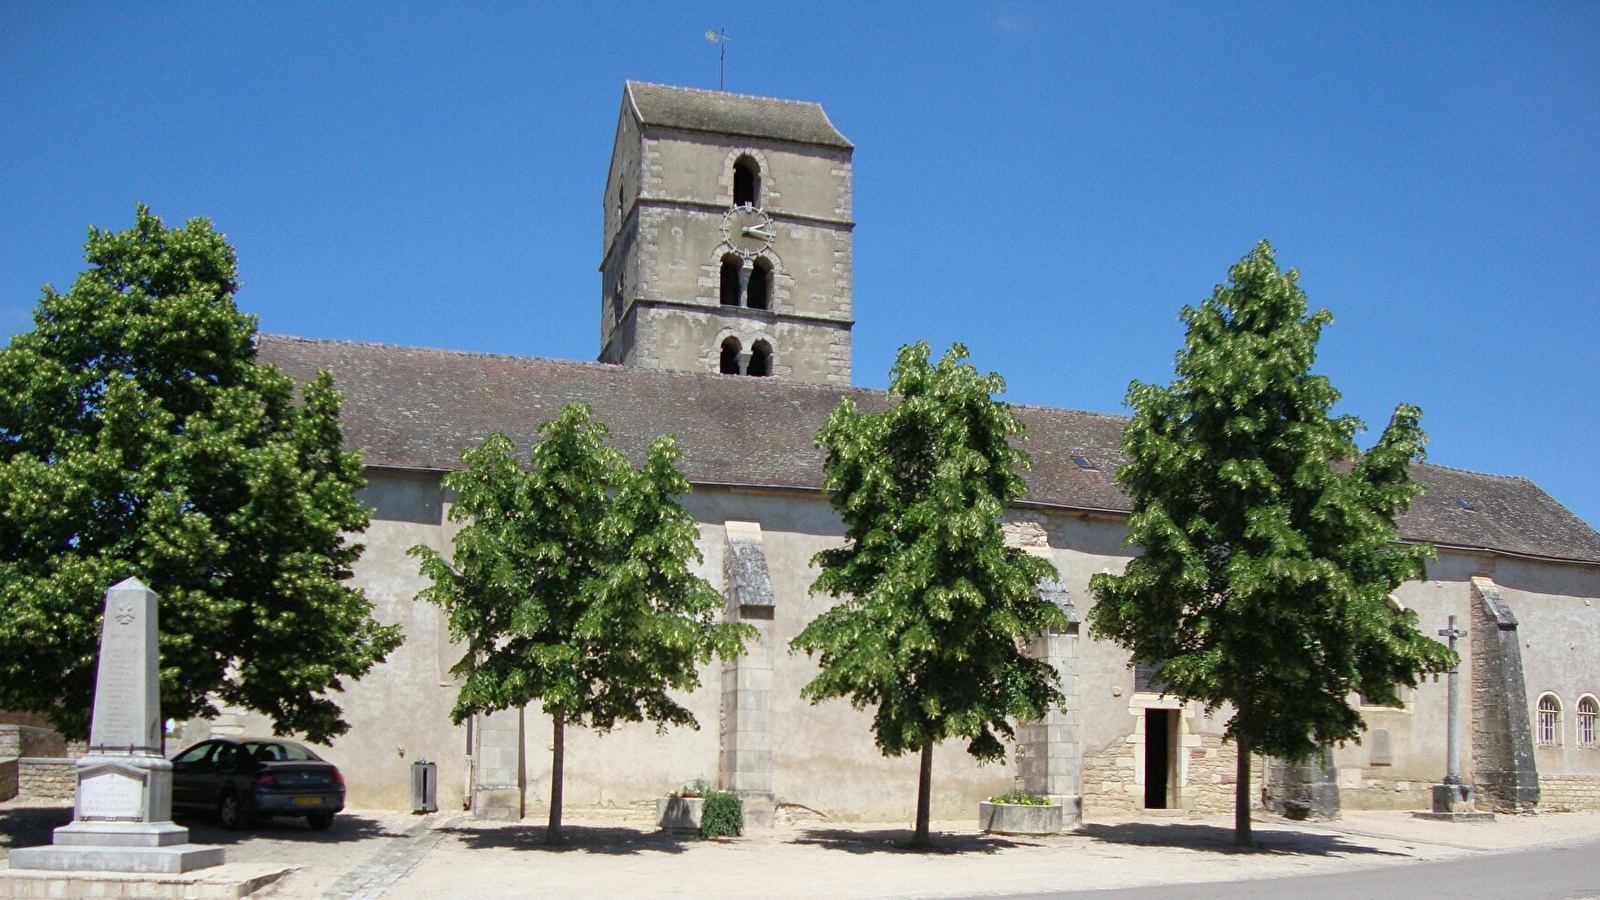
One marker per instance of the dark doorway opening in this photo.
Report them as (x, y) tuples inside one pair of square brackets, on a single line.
[(1158, 729)]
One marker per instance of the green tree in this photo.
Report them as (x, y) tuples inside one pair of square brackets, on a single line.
[(139, 437), (1267, 546), (934, 605), (571, 585)]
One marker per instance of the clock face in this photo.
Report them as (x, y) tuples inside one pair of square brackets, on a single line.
[(748, 230)]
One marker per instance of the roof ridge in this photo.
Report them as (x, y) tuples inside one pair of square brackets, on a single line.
[(1476, 472), (675, 87), (607, 367)]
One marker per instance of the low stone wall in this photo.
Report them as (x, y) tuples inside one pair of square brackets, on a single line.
[(1359, 792), (29, 740), (1564, 793), (46, 778), (8, 779)]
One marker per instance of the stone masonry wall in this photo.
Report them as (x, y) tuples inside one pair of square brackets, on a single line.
[(46, 779), (8, 779), (1565, 793), (1111, 786), (27, 740)]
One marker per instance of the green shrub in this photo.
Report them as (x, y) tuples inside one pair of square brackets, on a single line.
[(721, 816), (1021, 798)]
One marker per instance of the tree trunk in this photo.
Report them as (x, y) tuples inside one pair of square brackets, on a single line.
[(924, 792), (558, 761), (1241, 799)]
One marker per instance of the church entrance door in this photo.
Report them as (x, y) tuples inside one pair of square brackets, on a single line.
[(1159, 728)]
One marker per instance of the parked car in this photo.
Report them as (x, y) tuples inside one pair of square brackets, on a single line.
[(248, 779)]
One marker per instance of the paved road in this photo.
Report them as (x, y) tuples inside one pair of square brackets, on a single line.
[(1567, 873)]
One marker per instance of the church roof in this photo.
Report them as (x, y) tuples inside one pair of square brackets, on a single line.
[(418, 408), (717, 112)]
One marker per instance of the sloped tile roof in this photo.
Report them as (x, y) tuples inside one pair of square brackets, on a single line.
[(716, 112), (412, 407)]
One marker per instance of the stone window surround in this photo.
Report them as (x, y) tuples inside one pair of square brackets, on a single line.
[(1548, 730), (1588, 717), (1187, 739)]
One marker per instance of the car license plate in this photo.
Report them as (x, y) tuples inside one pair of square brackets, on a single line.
[(308, 801)]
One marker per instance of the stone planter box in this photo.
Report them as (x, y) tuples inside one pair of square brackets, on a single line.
[(679, 815), (1008, 818)]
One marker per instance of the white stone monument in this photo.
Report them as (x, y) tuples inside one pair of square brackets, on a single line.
[(122, 818)]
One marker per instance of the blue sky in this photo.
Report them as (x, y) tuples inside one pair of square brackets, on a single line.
[(1048, 183)]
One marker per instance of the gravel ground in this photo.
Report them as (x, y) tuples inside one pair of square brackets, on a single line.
[(617, 853)]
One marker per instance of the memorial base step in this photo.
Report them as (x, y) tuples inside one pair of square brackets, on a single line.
[(172, 860), (228, 882)]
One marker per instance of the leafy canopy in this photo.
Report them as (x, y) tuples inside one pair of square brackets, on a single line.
[(934, 605), (571, 584), (1267, 543), (138, 437)]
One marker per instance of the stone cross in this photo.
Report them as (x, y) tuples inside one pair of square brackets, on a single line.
[(1452, 715)]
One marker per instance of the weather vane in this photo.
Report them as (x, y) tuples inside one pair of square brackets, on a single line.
[(719, 36)]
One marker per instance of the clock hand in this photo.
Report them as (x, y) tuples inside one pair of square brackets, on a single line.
[(755, 231)]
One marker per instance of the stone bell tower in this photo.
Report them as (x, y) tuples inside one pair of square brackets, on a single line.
[(727, 237)]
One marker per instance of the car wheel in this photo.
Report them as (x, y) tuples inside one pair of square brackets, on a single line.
[(232, 813), (319, 821)]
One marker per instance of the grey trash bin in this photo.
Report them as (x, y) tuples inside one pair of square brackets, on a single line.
[(424, 786)]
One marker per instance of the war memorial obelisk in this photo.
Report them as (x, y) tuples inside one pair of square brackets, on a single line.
[(122, 817)]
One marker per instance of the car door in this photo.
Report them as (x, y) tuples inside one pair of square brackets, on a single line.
[(188, 768)]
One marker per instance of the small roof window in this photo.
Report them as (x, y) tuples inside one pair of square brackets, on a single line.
[(1083, 462), (1464, 504)]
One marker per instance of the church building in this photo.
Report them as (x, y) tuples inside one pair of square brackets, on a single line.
[(725, 319)]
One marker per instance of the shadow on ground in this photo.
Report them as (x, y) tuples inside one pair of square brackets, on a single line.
[(606, 841), (346, 827), (30, 825), (898, 840), (1217, 839)]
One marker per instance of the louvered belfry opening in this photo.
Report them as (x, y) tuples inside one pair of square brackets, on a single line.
[(730, 280), (746, 182), (759, 295), (760, 359)]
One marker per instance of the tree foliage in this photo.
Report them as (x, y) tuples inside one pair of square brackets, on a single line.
[(933, 604), (571, 583), (1267, 542), (138, 437)]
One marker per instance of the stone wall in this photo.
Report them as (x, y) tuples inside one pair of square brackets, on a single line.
[(46, 778), (8, 778), (1565, 793), (27, 740), (1206, 784)]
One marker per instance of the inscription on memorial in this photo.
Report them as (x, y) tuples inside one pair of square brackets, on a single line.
[(110, 795)]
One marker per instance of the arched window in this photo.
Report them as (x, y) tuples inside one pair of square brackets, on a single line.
[(746, 182), (730, 356), (730, 280), (1588, 722), (1549, 728), (760, 292), (760, 359)]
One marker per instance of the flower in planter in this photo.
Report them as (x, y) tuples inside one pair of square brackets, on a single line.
[(1021, 798)]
